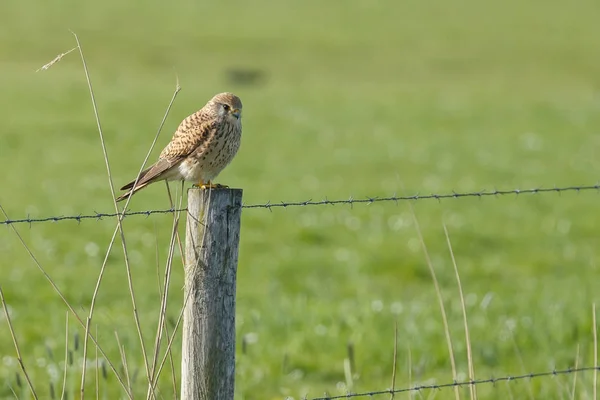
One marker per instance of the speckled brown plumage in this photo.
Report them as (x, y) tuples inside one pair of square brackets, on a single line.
[(203, 144)]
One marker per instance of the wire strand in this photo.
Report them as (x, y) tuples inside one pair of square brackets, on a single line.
[(350, 201), (491, 380)]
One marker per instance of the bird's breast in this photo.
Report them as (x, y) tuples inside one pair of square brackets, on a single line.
[(206, 162)]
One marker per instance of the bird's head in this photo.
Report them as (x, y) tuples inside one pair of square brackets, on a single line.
[(227, 106)]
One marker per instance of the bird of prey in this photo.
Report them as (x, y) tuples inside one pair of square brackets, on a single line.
[(204, 144)]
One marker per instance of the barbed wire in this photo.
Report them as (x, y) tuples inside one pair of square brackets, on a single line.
[(491, 380), (350, 201), (97, 216), (453, 195)]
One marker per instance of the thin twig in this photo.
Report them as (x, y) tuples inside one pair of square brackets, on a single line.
[(472, 388), (16, 344)]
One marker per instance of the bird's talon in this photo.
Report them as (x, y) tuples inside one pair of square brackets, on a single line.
[(213, 186)]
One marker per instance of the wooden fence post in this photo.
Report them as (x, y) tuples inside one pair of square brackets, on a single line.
[(211, 255)]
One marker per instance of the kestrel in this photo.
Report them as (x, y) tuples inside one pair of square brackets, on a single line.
[(203, 144)]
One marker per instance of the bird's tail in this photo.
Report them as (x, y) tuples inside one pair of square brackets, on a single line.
[(155, 172), (142, 182), (131, 191)]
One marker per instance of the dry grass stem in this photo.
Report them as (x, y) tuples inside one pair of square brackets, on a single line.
[(522, 363), (153, 144), (124, 363), (395, 359), (595, 332), (575, 374), (166, 328), (440, 301), (472, 388), (119, 217), (97, 371), (55, 60), (185, 301), (111, 243), (119, 220), (164, 297), (13, 392), (172, 206), (409, 361), (16, 344), (62, 297), (64, 385)]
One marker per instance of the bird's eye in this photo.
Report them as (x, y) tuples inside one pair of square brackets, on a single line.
[(225, 107)]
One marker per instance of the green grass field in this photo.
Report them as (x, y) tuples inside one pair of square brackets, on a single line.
[(358, 98)]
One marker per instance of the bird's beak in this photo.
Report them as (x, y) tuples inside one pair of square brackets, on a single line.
[(236, 112)]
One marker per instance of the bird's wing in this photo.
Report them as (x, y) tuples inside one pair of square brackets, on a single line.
[(193, 133), (152, 173)]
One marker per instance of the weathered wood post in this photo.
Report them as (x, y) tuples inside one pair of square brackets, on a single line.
[(211, 256)]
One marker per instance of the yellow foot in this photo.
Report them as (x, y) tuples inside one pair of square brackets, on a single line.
[(211, 185)]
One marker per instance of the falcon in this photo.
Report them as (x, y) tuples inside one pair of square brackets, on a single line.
[(203, 144)]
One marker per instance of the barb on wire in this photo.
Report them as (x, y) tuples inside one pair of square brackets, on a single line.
[(350, 201), (491, 380)]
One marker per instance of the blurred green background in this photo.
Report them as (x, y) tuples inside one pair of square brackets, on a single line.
[(341, 98)]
